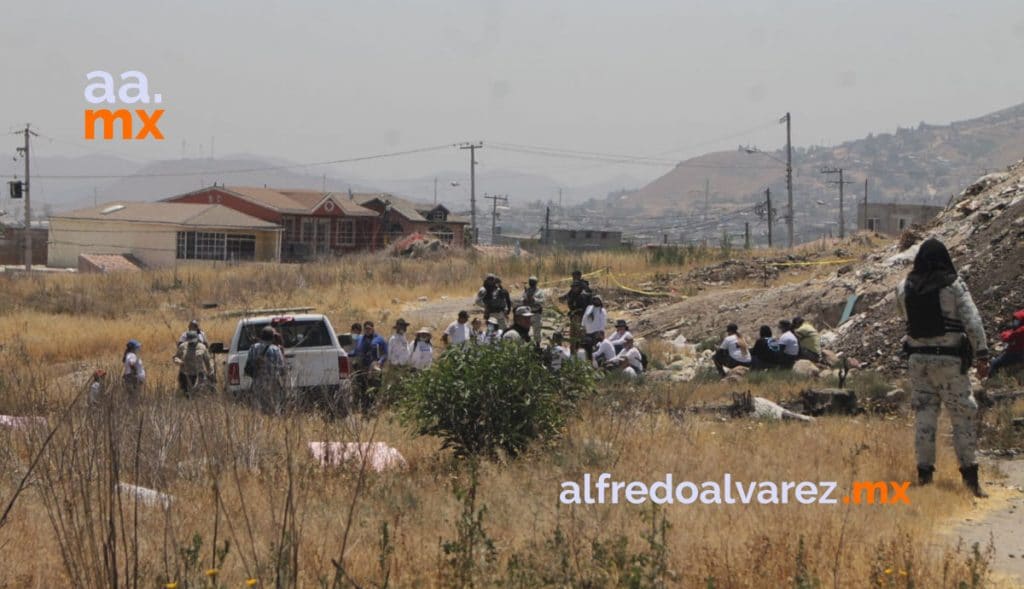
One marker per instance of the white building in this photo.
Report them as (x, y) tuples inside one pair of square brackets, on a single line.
[(161, 233)]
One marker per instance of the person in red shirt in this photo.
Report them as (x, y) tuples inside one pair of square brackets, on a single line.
[(1014, 338)]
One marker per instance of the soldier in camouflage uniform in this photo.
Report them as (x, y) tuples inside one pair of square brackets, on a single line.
[(945, 336)]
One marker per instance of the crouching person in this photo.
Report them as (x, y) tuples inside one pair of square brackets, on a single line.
[(629, 360)]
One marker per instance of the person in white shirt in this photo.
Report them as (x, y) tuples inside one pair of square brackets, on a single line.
[(398, 346), (558, 352), (422, 354), (605, 351), (134, 374), (789, 343), (630, 359), (733, 351), (458, 331), (492, 333), (594, 320), (620, 333)]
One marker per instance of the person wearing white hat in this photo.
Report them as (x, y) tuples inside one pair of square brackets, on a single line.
[(422, 354), (533, 297), (491, 334)]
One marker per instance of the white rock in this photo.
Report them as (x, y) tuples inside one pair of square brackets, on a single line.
[(146, 496), (806, 368)]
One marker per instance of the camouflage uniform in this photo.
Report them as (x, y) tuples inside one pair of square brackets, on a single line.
[(939, 379)]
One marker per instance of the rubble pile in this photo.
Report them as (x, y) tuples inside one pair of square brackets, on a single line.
[(417, 245)]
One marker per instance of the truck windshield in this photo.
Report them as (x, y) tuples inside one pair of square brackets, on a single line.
[(307, 333)]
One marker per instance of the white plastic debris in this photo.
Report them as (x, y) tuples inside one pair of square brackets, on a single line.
[(22, 421), (378, 455), (146, 496), (765, 409)]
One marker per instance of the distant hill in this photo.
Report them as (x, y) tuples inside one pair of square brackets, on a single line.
[(924, 165)]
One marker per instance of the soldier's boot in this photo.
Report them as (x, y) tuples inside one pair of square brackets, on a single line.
[(924, 474), (970, 475)]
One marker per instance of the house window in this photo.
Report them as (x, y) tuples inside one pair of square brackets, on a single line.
[(308, 230), (874, 223), (241, 247), (437, 214), (442, 232), (291, 229), (572, 235), (902, 224), (588, 234), (344, 232), (200, 245), (604, 235)]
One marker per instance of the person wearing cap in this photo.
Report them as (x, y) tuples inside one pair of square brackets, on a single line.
[(265, 363), (494, 300), (195, 367), (491, 334), (629, 358), (617, 336), (604, 351), (194, 326), (595, 318), (422, 354), (134, 374), (577, 299), (533, 297), (733, 351), (557, 352), (398, 346), (356, 331), (521, 323), (808, 340), (370, 354), (458, 331)]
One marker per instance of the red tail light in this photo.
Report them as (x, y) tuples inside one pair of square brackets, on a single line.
[(343, 367), (233, 375)]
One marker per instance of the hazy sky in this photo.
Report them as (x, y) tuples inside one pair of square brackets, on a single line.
[(317, 80)]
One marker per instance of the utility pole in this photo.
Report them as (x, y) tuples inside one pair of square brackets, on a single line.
[(746, 235), (789, 176), (841, 183), (472, 147), (24, 152), (547, 225), (771, 213), (495, 199), (559, 199), (865, 227)]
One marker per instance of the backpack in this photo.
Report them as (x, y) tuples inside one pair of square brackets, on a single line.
[(253, 366)]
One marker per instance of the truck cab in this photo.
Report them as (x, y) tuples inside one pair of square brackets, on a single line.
[(314, 358)]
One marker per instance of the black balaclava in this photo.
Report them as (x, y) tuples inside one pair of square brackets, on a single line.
[(933, 268)]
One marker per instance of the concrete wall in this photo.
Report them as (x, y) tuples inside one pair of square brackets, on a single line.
[(12, 246), (893, 218), (153, 244), (585, 238)]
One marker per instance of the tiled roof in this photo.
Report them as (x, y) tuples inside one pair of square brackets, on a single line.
[(299, 201)]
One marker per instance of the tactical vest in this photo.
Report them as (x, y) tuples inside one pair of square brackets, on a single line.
[(925, 317)]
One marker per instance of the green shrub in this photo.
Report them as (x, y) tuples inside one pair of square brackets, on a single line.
[(482, 399)]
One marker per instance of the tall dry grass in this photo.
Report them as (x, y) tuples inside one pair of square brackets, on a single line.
[(249, 502)]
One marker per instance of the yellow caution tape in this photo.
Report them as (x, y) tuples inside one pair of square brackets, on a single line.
[(594, 273), (818, 263), (643, 292)]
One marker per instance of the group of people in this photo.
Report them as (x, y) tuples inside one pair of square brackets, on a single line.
[(798, 340)]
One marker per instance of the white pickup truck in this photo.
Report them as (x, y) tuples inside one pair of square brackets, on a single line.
[(313, 355)]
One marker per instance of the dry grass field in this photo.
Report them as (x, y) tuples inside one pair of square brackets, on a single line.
[(251, 508)]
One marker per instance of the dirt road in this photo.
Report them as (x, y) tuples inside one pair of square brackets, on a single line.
[(1001, 518)]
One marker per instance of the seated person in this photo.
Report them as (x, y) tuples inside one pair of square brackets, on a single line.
[(1014, 352), (629, 359), (558, 352), (808, 339), (621, 331), (789, 343), (733, 350), (766, 351), (604, 351)]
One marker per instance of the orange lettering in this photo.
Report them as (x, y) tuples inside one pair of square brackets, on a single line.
[(108, 119), (149, 124)]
